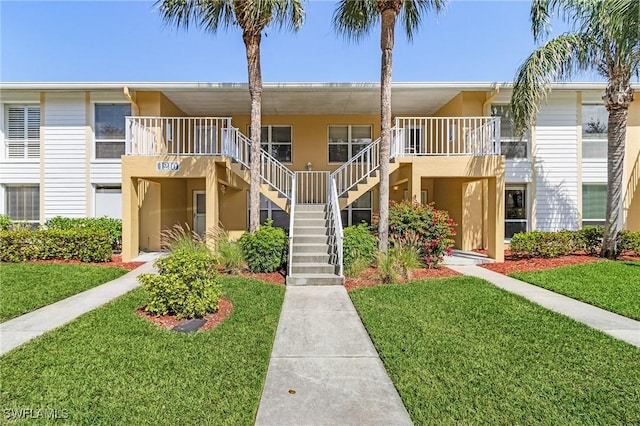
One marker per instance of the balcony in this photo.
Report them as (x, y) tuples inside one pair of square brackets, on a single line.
[(177, 136), (411, 136), (448, 136)]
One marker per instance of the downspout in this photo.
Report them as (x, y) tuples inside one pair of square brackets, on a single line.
[(131, 98)]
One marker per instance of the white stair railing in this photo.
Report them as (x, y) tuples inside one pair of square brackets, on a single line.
[(358, 168), (335, 227), (292, 213), (312, 187), (272, 172)]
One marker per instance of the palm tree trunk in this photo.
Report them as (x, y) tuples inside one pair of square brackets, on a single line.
[(389, 16), (252, 44), (615, 165)]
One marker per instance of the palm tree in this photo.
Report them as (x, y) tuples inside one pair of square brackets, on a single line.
[(605, 38), (252, 17), (355, 19)]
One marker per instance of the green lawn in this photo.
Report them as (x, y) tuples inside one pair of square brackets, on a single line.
[(614, 286), (462, 351), (112, 367), (25, 287)]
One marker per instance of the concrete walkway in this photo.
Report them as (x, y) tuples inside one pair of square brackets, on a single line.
[(17, 331), (324, 368), (615, 325)]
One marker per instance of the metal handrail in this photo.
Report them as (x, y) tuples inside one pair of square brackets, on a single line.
[(359, 167), (292, 212), (335, 221), (272, 172)]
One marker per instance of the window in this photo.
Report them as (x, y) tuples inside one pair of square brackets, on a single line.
[(594, 204), (511, 146), (358, 211), (347, 141), (108, 201), (22, 135), (110, 129), (276, 140), (23, 202), (269, 210), (594, 131), (515, 216)]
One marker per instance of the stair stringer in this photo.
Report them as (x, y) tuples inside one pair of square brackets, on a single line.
[(366, 185), (265, 189)]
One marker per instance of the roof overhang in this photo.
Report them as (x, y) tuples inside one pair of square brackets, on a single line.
[(224, 99)]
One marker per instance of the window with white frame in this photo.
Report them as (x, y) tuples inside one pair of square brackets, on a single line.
[(110, 130), (594, 204), (22, 202), (269, 210), (22, 131), (595, 125), (357, 212), (512, 146), (516, 213), (346, 141), (277, 141)]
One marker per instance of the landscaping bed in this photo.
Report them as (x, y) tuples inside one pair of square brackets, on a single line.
[(462, 351), (370, 277), (116, 262), (110, 365)]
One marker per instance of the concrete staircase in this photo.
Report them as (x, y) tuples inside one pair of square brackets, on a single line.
[(310, 251)]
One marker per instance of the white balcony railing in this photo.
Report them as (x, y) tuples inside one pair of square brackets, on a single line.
[(176, 135), (467, 136)]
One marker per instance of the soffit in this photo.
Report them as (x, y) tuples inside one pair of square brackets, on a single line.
[(363, 99)]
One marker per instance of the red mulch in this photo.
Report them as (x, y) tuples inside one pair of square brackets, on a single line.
[(511, 264), (369, 278), (270, 277), (116, 261), (169, 321)]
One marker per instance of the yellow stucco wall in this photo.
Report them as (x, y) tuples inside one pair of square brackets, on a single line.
[(310, 135), (632, 168)]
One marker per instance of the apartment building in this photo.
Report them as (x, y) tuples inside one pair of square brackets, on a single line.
[(158, 154)]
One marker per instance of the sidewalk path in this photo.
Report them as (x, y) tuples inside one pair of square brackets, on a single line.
[(324, 368), (615, 325), (17, 331)]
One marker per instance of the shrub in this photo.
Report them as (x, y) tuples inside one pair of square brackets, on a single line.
[(86, 245), (265, 249), (406, 259), (113, 227), (231, 256), (187, 285), (629, 240), (591, 239), (5, 222), (182, 238), (358, 248), (387, 269), (547, 244), (429, 230)]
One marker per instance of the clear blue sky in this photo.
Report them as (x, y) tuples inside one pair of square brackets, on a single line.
[(127, 41)]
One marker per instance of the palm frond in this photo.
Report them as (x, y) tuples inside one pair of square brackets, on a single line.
[(414, 10), (555, 60), (355, 19), (207, 14)]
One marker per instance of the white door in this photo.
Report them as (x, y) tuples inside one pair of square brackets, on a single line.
[(414, 139), (108, 202), (199, 212)]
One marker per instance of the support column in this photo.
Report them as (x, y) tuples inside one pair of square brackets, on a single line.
[(130, 218), (495, 223), (212, 201), (415, 184)]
